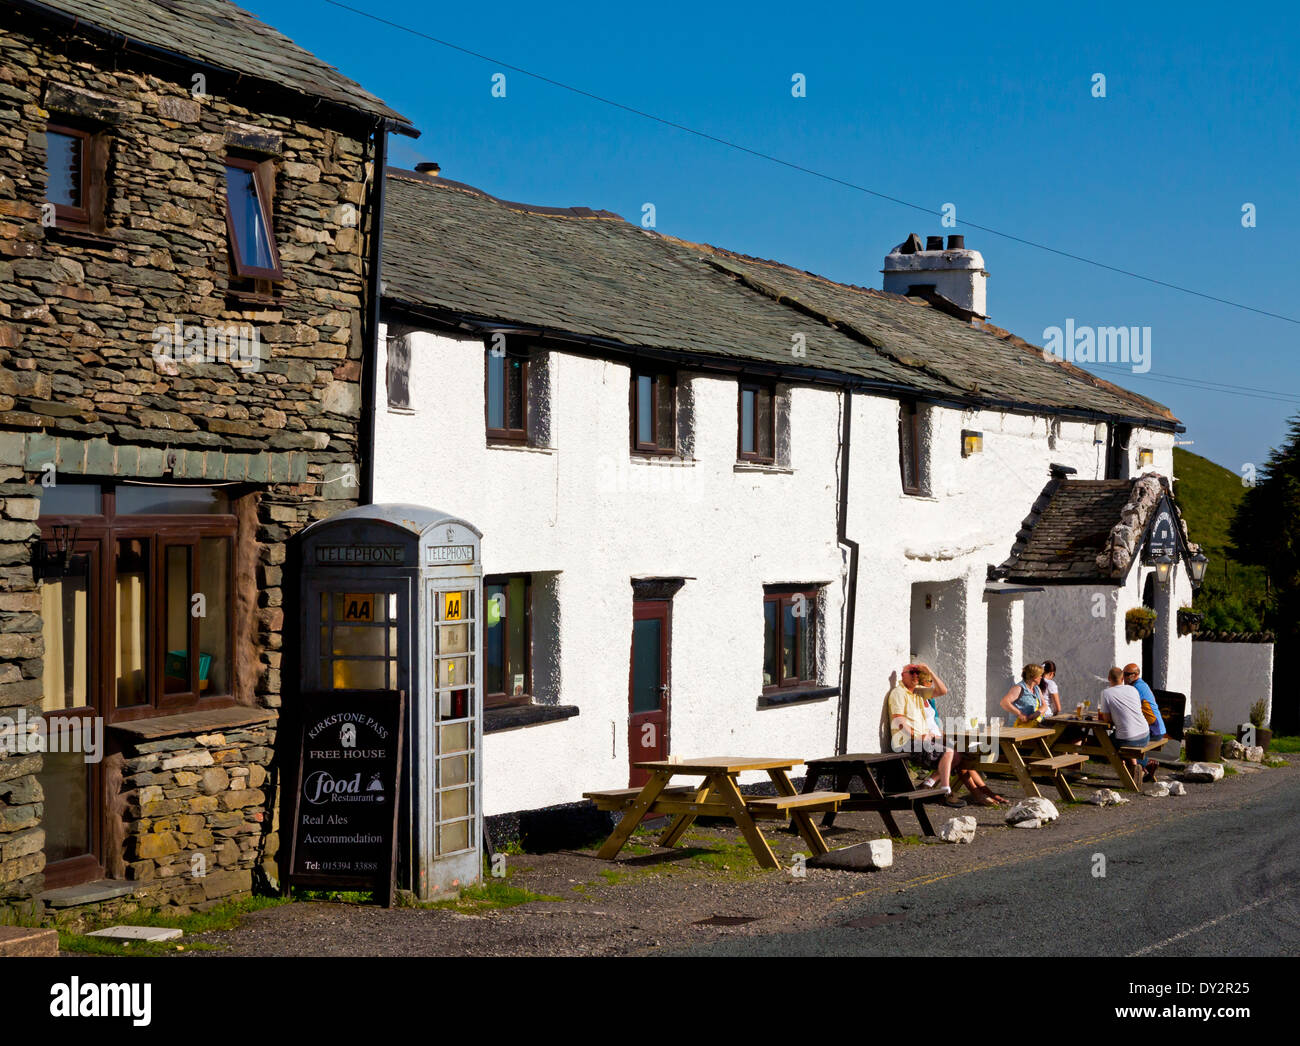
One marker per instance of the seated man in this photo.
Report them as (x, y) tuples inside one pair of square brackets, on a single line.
[(911, 729), (1151, 712), (1121, 705)]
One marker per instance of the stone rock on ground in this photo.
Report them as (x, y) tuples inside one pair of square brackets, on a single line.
[(1203, 772), (1033, 822), (1031, 809), (1254, 754), (1106, 797), (1177, 788), (958, 830), (863, 857), (1233, 749), (1158, 790)]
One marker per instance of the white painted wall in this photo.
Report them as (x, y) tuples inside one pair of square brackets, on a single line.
[(1230, 677), (588, 512)]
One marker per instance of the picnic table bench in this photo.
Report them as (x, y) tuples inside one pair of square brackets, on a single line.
[(718, 795), (887, 786), (1067, 730)]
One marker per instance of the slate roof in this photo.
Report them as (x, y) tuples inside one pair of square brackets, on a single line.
[(218, 33), (453, 249), (1067, 530)]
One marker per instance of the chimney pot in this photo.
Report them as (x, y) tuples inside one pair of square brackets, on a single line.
[(934, 243), (956, 274), (956, 243), (429, 168)]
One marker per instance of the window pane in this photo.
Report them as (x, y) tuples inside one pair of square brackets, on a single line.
[(646, 664), (770, 611), (176, 616), (788, 625), (214, 636), (167, 500), (644, 404), (63, 156), (454, 738), (514, 393), (907, 446), (517, 636), (453, 837), (664, 421), (358, 641), (65, 627), (763, 422), (132, 608), (808, 643), (66, 784), (496, 396), (453, 770), (70, 499), (360, 675), (454, 804), (495, 666), (252, 241), (747, 421)]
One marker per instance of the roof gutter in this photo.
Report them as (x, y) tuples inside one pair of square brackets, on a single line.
[(74, 23), (841, 525), (374, 303)]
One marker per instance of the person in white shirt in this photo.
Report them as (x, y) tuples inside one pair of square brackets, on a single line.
[(1121, 705), (1051, 692)]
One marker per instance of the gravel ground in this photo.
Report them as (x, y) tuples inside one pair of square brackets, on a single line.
[(654, 900)]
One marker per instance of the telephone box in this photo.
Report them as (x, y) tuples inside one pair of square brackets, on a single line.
[(392, 599)]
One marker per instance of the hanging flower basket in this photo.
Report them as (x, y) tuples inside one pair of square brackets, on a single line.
[(1189, 622), (1139, 624)]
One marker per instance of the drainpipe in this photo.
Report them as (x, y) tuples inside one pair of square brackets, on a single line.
[(370, 337), (842, 513)]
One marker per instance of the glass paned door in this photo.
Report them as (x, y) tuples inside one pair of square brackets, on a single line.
[(648, 687), (455, 699)]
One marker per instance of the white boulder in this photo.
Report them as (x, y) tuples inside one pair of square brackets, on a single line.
[(1158, 790), (1177, 788), (1106, 797), (1254, 754), (1203, 772), (958, 830), (1232, 749), (1033, 822), (1030, 809)]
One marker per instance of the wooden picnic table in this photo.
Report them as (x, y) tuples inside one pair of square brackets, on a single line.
[(886, 782), (1042, 762), (718, 795), (1066, 729)]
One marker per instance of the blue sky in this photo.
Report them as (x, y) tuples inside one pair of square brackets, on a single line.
[(986, 106)]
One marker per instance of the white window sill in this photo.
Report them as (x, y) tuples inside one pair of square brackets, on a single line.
[(402, 410), (520, 448), (751, 466), (665, 462), (918, 497)]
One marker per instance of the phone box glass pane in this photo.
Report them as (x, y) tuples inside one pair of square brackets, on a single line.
[(453, 837), (454, 804), (453, 770), (454, 738)]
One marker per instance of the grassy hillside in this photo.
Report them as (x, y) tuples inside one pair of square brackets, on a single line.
[(1234, 595)]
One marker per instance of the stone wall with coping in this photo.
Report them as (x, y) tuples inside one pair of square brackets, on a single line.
[(83, 394)]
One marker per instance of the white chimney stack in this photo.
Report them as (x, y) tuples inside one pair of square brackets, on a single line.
[(955, 274)]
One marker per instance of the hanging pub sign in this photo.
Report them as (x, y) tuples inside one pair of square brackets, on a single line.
[(1162, 535), (347, 795)]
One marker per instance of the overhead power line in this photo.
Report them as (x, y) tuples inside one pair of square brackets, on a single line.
[(805, 170)]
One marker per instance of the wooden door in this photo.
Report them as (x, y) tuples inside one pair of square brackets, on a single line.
[(648, 689)]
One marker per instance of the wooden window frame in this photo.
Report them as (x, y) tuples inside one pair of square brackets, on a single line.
[(160, 531), (783, 596), (755, 456), (89, 217), (262, 171), (909, 422), (656, 448), (505, 435), (506, 699)]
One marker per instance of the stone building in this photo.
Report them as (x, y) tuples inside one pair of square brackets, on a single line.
[(186, 203), (723, 500)]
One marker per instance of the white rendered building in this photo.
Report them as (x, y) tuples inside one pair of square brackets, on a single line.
[(723, 501)]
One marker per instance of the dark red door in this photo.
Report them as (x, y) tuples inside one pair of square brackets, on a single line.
[(647, 729)]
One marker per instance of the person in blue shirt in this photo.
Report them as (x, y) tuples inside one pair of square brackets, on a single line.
[(1151, 712)]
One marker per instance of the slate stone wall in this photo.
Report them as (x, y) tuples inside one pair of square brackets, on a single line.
[(82, 394)]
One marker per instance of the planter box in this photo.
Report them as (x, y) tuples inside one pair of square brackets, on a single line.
[(1204, 748)]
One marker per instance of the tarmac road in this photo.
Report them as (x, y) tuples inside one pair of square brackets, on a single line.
[(1223, 882)]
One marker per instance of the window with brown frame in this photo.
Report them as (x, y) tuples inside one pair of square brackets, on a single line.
[(507, 640), (155, 636), (250, 223), (790, 625), (654, 413), (506, 400), (757, 429), (76, 159), (909, 448)]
